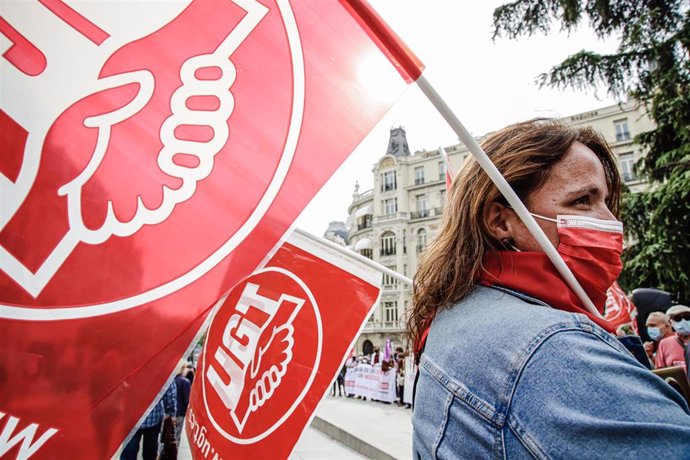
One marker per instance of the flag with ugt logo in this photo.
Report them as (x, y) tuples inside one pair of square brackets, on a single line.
[(273, 347), (152, 154)]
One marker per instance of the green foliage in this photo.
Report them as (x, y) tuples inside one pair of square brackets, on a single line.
[(651, 65)]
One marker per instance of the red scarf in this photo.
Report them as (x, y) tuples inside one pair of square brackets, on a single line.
[(532, 273)]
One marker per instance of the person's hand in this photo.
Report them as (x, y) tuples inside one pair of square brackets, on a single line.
[(649, 348)]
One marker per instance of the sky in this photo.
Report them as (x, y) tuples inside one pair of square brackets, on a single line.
[(487, 84)]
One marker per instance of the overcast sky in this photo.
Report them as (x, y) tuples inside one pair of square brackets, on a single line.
[(487, 84)]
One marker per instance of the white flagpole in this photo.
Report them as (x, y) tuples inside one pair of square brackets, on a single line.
[(506, 190), (356, 256)]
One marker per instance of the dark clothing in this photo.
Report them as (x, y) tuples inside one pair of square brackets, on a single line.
[(151, 427), (183, 386), (149, 449)]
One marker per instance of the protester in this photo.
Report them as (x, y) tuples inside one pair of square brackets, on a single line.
[(350, 365), (671, 351), (400, 380), (513, 365), (339, 382), (190, 374), (183, 386), (376, 356), (151, 427), (658, 328)]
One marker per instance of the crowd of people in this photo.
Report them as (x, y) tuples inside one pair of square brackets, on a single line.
[(670, 334), (387, 362), (160, 432)]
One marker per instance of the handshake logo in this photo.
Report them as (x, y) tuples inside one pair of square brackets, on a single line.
[(252, 351), (113, 128)]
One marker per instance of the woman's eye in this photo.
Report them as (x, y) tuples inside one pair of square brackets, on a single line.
[(582, 200)]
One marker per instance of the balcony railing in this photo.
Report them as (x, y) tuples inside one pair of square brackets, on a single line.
[(383, 326), (388, 187), (622, 136), (419, 214), (364, 226), (387, 252)]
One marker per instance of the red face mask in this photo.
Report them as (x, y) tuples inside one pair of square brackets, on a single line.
[(592, 250)]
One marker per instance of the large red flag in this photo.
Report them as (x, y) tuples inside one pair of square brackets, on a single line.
[(152, 154), (274, 345)]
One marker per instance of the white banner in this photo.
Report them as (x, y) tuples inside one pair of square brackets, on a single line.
[(410, 372), (370, 382)]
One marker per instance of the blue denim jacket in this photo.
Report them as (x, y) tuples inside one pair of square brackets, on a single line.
[(506, 376)]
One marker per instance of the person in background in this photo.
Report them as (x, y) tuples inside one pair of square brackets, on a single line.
[(512, 364), (339, 382), (671, 350), (183, 386), (658, 328), (400, 379), (376, 356), (151, 427), (190, 374)]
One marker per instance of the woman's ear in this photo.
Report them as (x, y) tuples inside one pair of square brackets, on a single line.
[(497, 217)]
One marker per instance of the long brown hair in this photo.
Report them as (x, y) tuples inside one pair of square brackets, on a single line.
[(524, 153)]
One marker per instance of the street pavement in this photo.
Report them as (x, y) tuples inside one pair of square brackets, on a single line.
[(355, 429)]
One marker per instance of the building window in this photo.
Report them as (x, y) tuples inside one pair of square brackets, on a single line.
[(388, 181), (421, 204), (388, 280), (390, 206), (627, 162), (390, 311), (364, 222), (622, 132), (422, 210), (368, 253), (419, 175), (441, 170), (421, 240), (443, 197), (388, 244)]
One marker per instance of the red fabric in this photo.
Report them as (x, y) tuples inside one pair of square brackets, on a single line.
[(285, 335), (264, 105), (620, 310), (532, 273), (594, 256)]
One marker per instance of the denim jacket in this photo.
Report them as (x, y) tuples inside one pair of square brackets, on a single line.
[(504, 375)]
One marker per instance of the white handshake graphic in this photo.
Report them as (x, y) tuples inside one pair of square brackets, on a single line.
[(253, 372)]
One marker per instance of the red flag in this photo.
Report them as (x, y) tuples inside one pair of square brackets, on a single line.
[(619, 309), (447, 167), (148, 165), (273, 347)]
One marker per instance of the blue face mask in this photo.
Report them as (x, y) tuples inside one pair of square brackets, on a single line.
[(654, 333), (682, 326)]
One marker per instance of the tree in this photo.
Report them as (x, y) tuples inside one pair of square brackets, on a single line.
[(651, 65)]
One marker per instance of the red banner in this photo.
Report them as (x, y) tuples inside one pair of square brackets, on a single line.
[(152, 154), (274, 345), (620, 311)]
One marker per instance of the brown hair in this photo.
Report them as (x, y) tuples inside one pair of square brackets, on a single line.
[(524, 153)]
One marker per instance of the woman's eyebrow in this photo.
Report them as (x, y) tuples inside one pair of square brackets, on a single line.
[(586, 190)]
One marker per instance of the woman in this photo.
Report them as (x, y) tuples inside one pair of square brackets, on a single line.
[(513, 365)]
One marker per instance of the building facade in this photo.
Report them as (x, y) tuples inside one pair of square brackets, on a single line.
[(392, 223)]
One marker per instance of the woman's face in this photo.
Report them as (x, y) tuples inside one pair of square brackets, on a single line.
[(576, 186)]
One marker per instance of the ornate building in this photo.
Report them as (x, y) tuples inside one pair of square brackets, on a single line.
[(393, 222)]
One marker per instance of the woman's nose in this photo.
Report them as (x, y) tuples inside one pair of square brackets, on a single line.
[(605, 213)]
